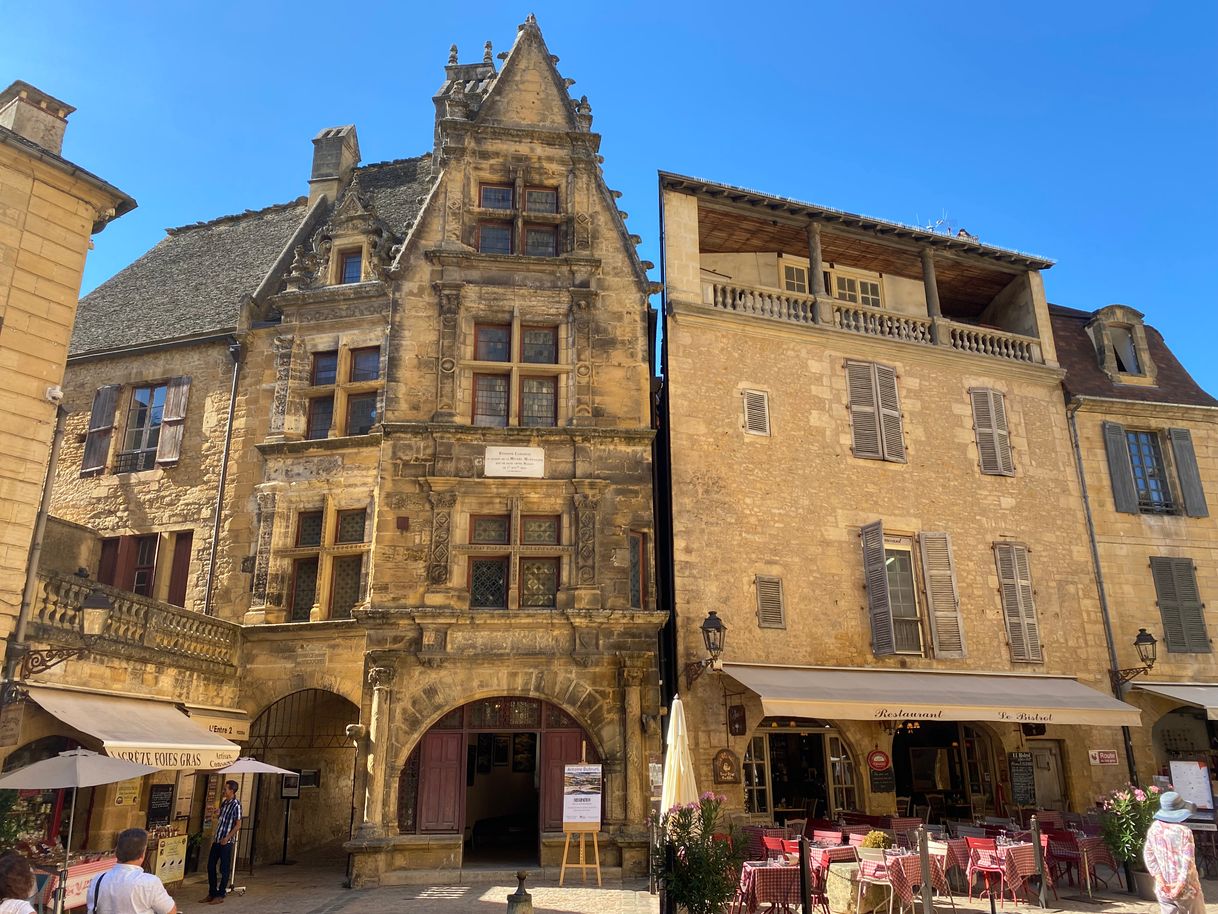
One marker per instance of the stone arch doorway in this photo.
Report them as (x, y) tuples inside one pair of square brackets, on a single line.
[(305, 731), (490, 772)]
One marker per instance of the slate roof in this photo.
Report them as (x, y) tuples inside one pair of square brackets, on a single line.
[(1085, 377), (192, 282)]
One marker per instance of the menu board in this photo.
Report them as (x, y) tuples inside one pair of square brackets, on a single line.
[(1192, 781), (883, 781), (160, 804), (1023, 778), (171, 858)]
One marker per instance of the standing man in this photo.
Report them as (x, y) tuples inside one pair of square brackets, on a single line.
[(1170, 857), (126, 888), (220, 859)]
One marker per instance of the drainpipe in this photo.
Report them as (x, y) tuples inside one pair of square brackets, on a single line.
[(234, 350), (17, 646), (1071, 409)]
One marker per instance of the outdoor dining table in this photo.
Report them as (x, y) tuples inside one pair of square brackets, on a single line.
[(762, 883), (1086, 852), (1018, 862), (904, 874), (754, 846)]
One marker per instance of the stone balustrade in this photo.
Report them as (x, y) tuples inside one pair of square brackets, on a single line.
[(788, 307), (139, 622)]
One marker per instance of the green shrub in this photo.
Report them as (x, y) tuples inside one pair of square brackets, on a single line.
[(877, 839)]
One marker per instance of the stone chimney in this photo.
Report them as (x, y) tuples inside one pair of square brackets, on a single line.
[(31, 113), (335, 154)]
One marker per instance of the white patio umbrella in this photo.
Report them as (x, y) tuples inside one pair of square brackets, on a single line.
[(76, 768), (679, 786), (247, 765)]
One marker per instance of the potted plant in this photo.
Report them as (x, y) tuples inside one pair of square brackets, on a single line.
[(699, 855), (194, 843), (1126, 816), (877, 838)]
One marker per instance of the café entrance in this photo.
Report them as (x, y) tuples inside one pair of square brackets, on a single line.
[(944, 770), (799, 768)]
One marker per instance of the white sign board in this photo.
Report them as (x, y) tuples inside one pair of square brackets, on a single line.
[(1192, 781), (1102, 756), (581, 796), (516, 462)]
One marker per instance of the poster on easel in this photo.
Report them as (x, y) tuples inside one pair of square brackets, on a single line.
[(1192, 781), (581, 797)]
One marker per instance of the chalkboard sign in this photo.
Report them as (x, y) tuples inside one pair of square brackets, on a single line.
[(1023, 778), (883, 781), (160, 804)]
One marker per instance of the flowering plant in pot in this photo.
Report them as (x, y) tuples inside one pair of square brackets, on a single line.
[(1125, 818), (699, 855)]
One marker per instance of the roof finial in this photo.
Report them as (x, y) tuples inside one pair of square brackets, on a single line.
[(452, 56), (487, 56)]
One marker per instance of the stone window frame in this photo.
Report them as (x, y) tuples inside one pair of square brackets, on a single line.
[(326, 552), (519, 218), (1122, 317), (517, 510), (343, 388), (341, 247), (514, 368), (832, 272)]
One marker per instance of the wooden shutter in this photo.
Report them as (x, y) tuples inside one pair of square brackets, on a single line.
[(107, 566), (1187, 472), (891, 432), (771, 611), (1180, 604), (179, 571), (756, 412), (442, 781), (1018, 606), (993, 437), (883, 638), (864, 411), (101, 427), (946, 630), (169, 445), (1124, 493)]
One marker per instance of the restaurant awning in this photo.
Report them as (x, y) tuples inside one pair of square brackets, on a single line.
[(140, 730), (1199, 696), (896, 695)]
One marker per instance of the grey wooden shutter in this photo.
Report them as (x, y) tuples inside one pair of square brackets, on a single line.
[(1180, 605), (169, 445), (864, 411), (1018, 606), (756, 412), (875, 571), (771, 611), (1124, 493), (946, 630), (891, 432), (101, 427), (1186, 470), (993, 437)]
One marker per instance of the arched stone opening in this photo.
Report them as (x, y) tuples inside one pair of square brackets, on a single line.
[(800, 768)]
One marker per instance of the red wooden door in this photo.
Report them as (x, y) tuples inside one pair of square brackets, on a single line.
[(558, 749), (442, 782)]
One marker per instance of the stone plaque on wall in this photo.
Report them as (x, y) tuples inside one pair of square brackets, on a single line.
[(515, 462)]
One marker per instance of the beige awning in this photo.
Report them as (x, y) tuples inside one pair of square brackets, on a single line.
[(1199, 696), (140, 730), (895, 695)]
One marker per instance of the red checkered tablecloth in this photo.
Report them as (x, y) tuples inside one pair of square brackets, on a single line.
[(777, 886), (1084, 852), (957, 854), (1018, 862), (754, 847), (904, 874)]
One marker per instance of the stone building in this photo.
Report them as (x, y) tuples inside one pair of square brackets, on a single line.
[(1148, 444), (873, 487), (389, 446), (49, 209)]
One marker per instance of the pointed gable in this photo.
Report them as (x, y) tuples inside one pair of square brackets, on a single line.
[(529, 90)]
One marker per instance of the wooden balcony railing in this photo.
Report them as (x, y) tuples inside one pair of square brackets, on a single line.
[(134, 622), (771, 304)]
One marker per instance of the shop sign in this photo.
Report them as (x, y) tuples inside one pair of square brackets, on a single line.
[(176, 758), (655, 774), (234, 729), (884, 781), (1102, 756), (10, 723), (727, 767), (581, 797), (127, 793), (879, 760), (171, 859), (1023, 778), (517, 462), (737, 721)]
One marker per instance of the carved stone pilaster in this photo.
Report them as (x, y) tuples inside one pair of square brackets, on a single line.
[(380, 677), (446, 385), (582, 303), (441, 535), (282, 346), (266, 530), (585, 539)]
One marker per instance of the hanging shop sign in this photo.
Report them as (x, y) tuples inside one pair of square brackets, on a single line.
[(879, 760), (727, 767), (737, 722)]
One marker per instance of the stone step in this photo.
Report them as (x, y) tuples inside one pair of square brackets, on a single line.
[(538, 875)]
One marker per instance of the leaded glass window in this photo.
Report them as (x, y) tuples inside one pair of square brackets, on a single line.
[(538, 402), (539, 345), (308, 528), (345, 589), (488, 583), (304, 588), (539, 530), (538, 582), (489, 529), (351, 526), (491, 400)]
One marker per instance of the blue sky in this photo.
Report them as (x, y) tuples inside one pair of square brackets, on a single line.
[(1085, 132)]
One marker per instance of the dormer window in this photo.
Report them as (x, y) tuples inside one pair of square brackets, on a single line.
[(350, 267), (1121, 345), (1125, 350)]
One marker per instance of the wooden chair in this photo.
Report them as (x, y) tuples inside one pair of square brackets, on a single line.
[(903, 804), (983, 858), (797, 826)]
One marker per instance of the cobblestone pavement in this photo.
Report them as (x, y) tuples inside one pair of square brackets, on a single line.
[(312, 888)]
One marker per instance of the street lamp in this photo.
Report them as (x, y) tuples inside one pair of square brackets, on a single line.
[(94, 613), (1147, 648), (714, 632)]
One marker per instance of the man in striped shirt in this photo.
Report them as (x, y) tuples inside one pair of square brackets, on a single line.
[(220, 859)]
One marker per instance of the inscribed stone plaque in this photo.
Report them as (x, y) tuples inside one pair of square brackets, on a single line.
[(517, 462)]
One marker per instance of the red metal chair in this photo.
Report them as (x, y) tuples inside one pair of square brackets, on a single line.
[(790, 846), (822, 835), (983, 858), (857, 839), (773, 846)]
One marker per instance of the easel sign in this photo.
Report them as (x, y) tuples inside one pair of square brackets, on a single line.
[(581, 815)]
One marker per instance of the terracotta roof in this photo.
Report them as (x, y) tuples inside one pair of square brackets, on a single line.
[(1085, 377)]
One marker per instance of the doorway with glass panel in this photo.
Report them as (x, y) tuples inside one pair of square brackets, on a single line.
[(798, 768)]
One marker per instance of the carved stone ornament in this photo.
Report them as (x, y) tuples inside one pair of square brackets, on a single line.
[(726, 767), (441, 533), (585, 539), (380, 677), (266, 527)]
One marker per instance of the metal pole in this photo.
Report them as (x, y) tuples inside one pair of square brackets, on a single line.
[(287, 815), (928, 889), (805, 893), (62, 888), (1039, 851)]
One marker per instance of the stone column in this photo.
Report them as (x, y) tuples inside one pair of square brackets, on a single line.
[(632, 711), (358, 734), (816, 263), (447, 354), (381, 679), (930, 283)]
